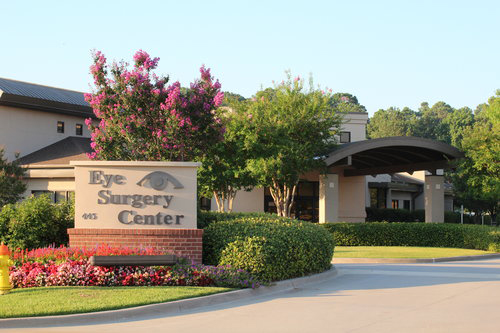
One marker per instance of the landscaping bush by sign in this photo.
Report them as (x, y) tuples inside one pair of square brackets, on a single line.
[(269, 248), (35, 222), (415, 234)]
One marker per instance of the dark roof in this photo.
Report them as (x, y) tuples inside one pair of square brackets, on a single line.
[(399, 178), (391, 155), (38, 97), (69, 149)]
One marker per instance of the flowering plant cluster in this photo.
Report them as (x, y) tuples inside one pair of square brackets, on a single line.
[(70, 267), (82, 273), (62, 254), (144, 118)]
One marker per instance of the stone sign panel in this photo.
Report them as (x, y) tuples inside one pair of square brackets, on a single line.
[(138, 195)]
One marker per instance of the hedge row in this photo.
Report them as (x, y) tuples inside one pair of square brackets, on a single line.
[(403, 215), (268, 247), (415, 234), (36, 222)]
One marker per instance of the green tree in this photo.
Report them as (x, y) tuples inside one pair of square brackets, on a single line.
[(477, 177), (345, 102), (431, 122), (11, 184), (391, 122), (230, 97), (223, 171), (458, 121), (287, 133)]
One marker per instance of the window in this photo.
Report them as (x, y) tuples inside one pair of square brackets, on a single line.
[(406, 204), (378, 197), (42, 192), (395, 204), (60, 127), (79, 129), (205, 203), (55, 196), (60, 196), (345, 137)]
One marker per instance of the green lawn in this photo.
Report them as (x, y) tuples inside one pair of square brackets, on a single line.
[(64, 300), (401, 252)]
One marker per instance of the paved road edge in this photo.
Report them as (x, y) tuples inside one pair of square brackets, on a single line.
[(162, 308)]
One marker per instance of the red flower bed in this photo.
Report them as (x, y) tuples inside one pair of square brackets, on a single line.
[(62, 254), (70, 267)]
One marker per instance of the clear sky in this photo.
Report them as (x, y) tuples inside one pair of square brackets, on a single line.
[(387, 53)]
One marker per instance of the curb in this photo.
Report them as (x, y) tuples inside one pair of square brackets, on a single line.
[(412, 261), (160, 309)]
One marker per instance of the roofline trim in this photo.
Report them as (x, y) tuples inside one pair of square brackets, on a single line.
[(408, 141), (46, 105)]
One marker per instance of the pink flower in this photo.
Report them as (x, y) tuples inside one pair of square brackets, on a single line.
[(218, 98)]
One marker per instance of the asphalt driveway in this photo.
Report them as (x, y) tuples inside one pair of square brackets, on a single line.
[(439, 297)]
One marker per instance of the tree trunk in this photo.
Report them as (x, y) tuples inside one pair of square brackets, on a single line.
[(219, 199), (292, 198), (283, 197), (225, 199), (230, 199)]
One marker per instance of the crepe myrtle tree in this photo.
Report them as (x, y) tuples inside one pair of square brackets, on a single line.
[(224, 168), (142, 117), (287, 131)]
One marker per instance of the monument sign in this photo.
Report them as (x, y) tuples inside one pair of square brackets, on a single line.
[(137, 204), (112, 194)]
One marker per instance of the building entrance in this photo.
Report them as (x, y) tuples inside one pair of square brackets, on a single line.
[(306, 202)]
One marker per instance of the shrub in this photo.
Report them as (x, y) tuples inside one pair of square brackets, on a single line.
[(36, 222), (403, 215), (269, 248), (454, 217), (394, 215), (207, 217), (415, 234), (64, 218), (7, 213)]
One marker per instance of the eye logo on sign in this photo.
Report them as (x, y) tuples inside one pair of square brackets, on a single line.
[(159, 180)]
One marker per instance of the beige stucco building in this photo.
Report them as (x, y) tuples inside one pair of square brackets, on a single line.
[(45, 126)]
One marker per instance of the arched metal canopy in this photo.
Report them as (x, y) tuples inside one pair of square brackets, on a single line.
[(390, 155)]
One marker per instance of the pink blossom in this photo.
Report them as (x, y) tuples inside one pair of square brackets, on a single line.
[(218, 98)]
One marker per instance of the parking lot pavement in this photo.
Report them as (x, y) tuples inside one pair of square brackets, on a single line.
[(444, 297)]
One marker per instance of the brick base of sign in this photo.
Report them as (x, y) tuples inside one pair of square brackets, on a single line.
[(185, 243)]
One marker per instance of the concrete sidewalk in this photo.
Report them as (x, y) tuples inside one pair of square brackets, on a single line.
[(440, 297)]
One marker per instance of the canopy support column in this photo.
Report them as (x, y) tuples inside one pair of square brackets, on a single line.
[(434, 198), (328, 198), (352, 199)]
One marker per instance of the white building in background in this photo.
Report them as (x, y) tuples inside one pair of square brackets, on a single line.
[(45, 127)]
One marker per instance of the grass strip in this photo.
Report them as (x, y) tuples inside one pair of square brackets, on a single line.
[(402, 252), (32, 302)]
